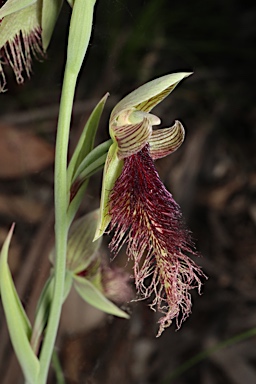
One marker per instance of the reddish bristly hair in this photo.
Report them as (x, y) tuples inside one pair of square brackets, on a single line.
[(146, 218), (18, 54)]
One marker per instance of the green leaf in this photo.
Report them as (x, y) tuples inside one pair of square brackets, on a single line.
[(94, 297), (12, 6), (16, 318), (93, 161), (91, 164), (86, 141), (43, 308), (76, 201), (50, 13), (94, 167), (42, 312)]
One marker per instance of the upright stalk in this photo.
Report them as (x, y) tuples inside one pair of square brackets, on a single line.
[(79, 36), (61, 228)]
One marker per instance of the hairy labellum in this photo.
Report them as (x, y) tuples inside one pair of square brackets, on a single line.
[(145, 216)]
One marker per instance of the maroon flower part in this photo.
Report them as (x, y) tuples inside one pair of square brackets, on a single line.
[(145, 216), (20, 41)]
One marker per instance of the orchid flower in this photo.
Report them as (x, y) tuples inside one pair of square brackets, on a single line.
[(20, 39), (26, 28), (139, 209)]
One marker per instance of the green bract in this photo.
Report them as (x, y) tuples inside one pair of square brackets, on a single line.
[(85, 160), (131, 129)]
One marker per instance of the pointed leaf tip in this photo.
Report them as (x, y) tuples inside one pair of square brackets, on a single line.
[(17, 321), (6, 245)]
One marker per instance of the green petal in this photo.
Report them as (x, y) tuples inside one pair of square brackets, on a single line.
[(12, 6), (149, 95), (16, 318), (131, 138), (165, 141), (112, 170), (94, 297)]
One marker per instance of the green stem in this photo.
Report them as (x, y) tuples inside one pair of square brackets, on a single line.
[(57, 368), (61, 227), (78, 40), (203, 355)]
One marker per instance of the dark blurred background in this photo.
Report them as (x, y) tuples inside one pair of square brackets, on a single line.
[(212, 176)]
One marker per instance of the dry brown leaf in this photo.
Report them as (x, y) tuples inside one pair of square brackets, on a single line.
[(22, 153)]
